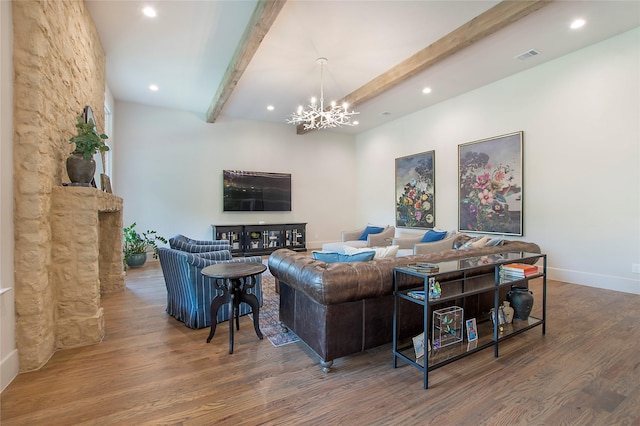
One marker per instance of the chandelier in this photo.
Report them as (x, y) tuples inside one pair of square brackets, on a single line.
[(316, 116)]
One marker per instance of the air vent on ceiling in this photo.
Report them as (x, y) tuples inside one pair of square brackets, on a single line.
[(528, 54)]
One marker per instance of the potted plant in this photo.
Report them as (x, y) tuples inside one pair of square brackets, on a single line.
[(136, 244), (88, 142)]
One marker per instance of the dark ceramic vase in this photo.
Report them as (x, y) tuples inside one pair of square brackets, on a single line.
[(521, 300), (80, 171)]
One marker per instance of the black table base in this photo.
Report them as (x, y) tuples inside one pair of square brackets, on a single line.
[(234, 280)]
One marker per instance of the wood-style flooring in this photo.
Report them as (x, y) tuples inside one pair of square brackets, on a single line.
[(151, 370)]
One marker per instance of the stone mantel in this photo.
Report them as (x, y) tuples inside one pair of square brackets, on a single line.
[(86, 260)]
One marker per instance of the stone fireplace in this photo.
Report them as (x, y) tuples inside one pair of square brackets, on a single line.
[(86, 235), (67, 240)]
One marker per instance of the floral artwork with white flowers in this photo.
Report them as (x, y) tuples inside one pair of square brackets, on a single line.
[(490, 191), (415, 191)]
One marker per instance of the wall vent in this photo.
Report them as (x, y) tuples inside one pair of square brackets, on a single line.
[(528, 54)]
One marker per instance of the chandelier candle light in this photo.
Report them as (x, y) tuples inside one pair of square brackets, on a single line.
[(317, 117)]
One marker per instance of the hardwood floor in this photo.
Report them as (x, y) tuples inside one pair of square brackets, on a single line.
[(151, 369)]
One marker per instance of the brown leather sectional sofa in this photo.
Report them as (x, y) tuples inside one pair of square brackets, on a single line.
[(339, 309)]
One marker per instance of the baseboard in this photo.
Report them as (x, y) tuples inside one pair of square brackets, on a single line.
[(607, 282), (9, 369)]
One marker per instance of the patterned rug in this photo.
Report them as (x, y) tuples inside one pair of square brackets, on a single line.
[(269, 320)]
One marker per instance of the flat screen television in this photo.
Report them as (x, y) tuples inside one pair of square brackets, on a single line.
[(244, 191)]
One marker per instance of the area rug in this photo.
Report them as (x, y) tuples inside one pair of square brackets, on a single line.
[(269, 319)]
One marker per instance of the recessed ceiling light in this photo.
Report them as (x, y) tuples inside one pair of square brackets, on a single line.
[(355, 123), (270, 107), (149, 11), (426, 90), (153, 88), (578, 23)]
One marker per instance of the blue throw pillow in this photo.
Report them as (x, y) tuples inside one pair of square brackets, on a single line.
[(431, 236), (370, 230), (326, 256), (333, 257)]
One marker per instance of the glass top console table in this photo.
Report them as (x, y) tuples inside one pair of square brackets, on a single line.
[(457, 281)]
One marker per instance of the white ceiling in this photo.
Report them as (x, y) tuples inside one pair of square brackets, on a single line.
[(186, 49)]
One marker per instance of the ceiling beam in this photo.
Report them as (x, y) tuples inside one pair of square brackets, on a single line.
[(263, 17), (487, 23)]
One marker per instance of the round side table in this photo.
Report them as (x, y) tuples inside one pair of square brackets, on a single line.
[(234, 279)]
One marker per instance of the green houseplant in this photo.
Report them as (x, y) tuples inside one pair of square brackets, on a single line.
[(135, 245), (80, 164)]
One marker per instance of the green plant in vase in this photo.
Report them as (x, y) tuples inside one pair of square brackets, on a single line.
[(88, 142), (136, 244)]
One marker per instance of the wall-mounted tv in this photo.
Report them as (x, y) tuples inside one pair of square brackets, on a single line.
[(244, 191)]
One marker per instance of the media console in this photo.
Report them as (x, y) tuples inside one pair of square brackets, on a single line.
[(249, 240)]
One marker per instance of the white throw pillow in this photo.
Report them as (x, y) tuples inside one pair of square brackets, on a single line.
[(388, 251), (480, 243), (476, 242)]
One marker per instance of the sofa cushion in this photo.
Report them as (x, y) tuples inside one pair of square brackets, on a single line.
[(370, 230), (460, 240), (339, 246), (335, 257), (432, 235), (387, 251), (495, 241)]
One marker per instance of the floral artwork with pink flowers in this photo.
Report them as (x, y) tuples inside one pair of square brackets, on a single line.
[(415, 191), (490, 191)]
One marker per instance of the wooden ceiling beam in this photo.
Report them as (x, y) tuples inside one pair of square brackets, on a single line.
[(487, 23), (263, 17)]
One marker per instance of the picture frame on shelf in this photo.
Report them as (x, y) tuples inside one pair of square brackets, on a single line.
[(501, 319), (416, 191), (490, 186), (472, 330), (419, 345), (106, 183)]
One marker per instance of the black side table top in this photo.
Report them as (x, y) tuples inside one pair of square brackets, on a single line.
[(233, 270)]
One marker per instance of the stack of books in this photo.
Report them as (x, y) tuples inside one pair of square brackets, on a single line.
[(519, 270), (424, 267)]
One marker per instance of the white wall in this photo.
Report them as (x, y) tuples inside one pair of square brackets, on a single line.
[(8, 353), (581, 120), (168, 169)]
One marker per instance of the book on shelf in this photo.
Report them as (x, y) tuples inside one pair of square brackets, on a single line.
[(519, 269), (424, 267), (416, 294)]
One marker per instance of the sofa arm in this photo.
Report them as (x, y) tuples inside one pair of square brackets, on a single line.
[(352, 235), (383, 238)]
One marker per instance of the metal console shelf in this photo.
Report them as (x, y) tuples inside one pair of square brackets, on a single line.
[(459, 281)]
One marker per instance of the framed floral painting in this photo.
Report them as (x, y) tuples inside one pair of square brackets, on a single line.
[(416, 191), (490, 185)]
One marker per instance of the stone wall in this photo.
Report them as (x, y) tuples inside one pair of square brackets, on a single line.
[(59, 68)]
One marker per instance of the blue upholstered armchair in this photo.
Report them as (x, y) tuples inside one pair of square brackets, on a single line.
[(182, 243), (189, 293)]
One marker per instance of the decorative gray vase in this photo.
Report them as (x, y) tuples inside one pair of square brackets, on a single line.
[(136, 259), (80, 171)]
